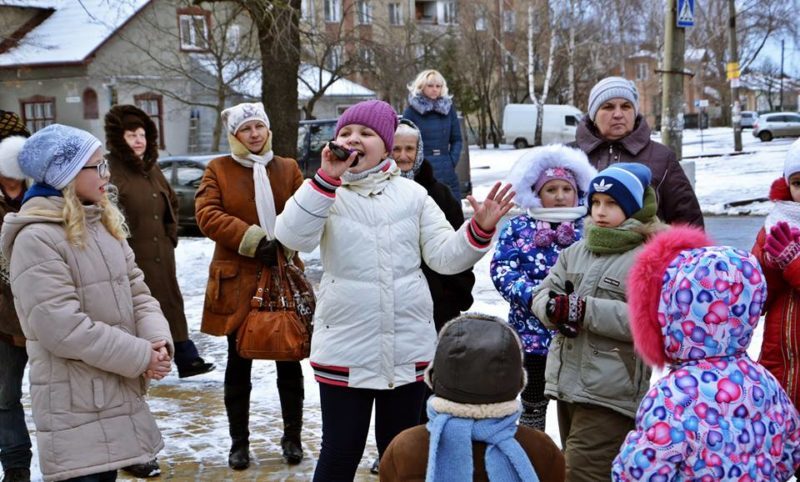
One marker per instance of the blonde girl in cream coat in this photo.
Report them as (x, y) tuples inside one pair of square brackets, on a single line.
[(95, 336)]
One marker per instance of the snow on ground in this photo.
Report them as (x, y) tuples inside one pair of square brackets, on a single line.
[(720, 177), (190, 412)]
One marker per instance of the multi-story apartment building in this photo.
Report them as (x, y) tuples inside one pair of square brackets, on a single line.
[(384, 43)]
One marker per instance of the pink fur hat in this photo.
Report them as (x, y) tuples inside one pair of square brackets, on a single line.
[(645, 284)]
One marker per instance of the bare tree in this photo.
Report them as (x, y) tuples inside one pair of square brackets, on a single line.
[(277, 26), (552, 20), (212, 68), (326, 49), (757, 20), (765, 80), (477, 59)]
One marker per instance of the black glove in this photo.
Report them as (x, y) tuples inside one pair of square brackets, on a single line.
[(267, 252)]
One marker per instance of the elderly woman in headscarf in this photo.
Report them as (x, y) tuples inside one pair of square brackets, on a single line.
[(236, 206)]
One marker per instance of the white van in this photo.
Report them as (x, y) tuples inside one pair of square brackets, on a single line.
[(558, 126)]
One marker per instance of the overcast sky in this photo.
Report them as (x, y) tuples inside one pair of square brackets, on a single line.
[(791, 56)]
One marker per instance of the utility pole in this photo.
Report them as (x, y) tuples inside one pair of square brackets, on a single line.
[(781, 109), (672, 81), (733, 77)]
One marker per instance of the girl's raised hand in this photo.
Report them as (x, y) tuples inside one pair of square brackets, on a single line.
[(496, 205)]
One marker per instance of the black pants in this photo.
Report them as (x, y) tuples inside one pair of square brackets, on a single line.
[(110, 476), (346, 413), (238, 370)]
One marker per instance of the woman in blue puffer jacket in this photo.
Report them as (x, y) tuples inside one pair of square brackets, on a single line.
[(430, 108)]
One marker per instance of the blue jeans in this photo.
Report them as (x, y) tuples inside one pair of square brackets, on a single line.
[(110, 476), (15, 443)]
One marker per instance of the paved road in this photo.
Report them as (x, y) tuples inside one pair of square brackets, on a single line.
[(737, 231)]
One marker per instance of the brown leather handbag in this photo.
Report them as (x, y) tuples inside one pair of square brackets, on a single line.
[(280, 321)]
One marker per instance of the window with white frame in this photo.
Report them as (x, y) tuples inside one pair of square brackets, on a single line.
[(363, 12), (193, 29), (38, 112), (153, 105), (366, 55), (480, 19), (334, 58), (307, 9), (642, 71), (395, 13), (509, 20), (232, 37), (333, 10), (511, 64), (450, 13)]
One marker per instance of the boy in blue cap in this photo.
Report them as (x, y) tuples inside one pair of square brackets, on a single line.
[(592, 370)]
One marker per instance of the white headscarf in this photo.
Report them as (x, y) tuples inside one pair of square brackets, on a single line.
[(234, 117)]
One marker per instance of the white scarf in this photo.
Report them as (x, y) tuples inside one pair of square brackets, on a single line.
[(557, 215), (351, 177), (265, 201), (787, 211)]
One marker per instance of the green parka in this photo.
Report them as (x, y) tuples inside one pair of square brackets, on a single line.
[(599, 366)]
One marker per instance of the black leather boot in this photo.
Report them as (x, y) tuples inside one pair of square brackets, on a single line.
[(291, 393), (237, 405)]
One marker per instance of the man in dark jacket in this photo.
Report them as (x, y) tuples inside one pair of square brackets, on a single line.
[(613, 131)]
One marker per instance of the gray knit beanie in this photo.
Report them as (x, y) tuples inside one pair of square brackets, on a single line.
[(55, 154), (612, 88)]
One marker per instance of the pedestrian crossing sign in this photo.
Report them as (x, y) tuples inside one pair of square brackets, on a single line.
[(685, 13)]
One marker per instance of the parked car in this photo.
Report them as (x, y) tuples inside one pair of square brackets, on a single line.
[(776, 124), (748, 118), (312, 135), (558, 126), (184, 174)]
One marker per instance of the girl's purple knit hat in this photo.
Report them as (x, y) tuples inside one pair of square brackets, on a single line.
[(375, 114)]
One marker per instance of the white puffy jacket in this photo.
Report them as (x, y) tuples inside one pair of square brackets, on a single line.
[(373, 326)]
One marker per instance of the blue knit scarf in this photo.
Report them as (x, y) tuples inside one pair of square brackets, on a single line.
[(423, 104), (450, 450), (41, 189)]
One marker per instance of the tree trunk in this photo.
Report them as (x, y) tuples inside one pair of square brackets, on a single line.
[(217, 135), (531, 57), (537, 140), (571, 55), (279, 41)]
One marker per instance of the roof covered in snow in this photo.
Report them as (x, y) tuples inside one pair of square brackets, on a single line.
[(312, 78), (246, 80), (74, 30)]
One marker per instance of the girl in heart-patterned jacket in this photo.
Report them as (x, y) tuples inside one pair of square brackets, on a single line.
[(716, 414)]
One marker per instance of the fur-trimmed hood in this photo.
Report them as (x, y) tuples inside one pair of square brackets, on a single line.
[(532, 164), (10, 148), (118, 149), (779, 190), (689, 300)]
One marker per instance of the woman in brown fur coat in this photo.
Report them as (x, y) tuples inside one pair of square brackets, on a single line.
[(236, 206)]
